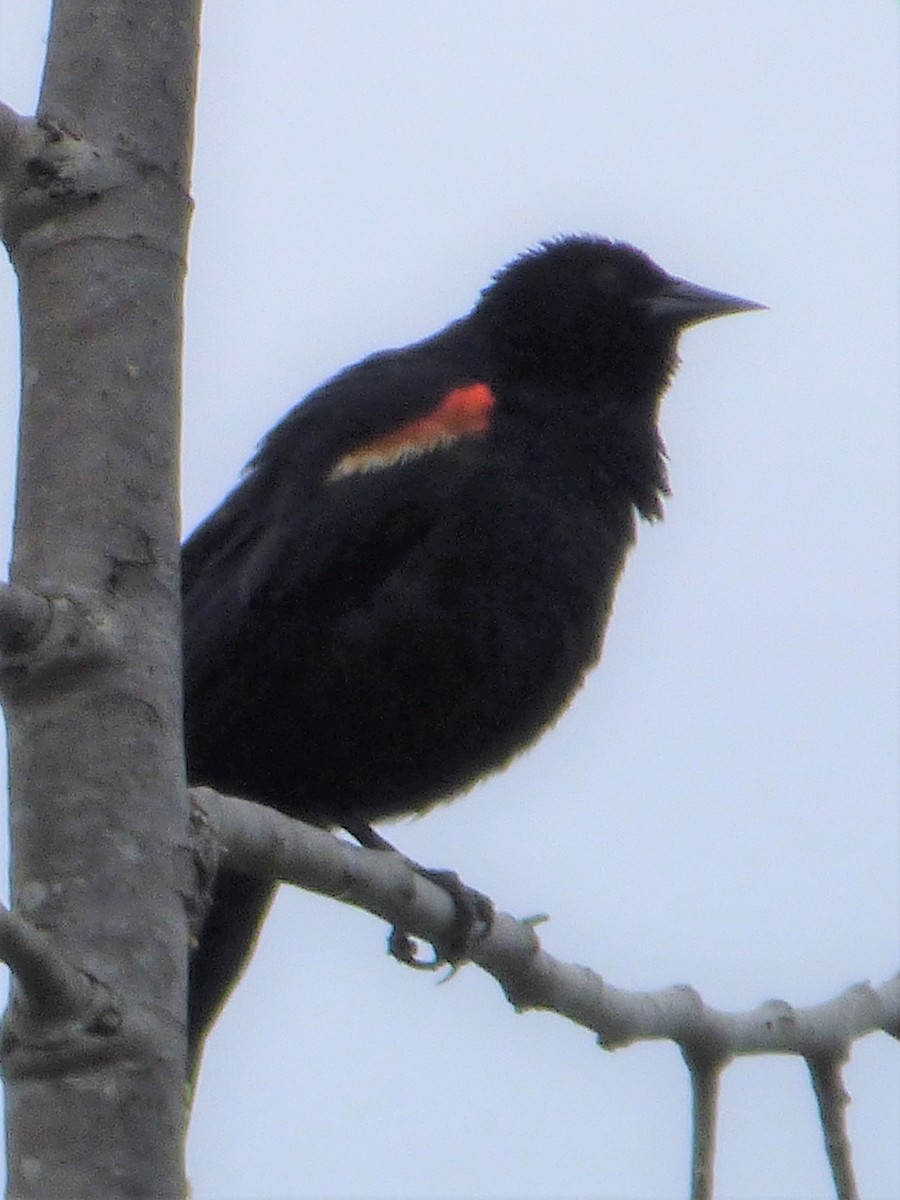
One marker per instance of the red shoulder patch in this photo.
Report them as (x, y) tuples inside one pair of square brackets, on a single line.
[(463, 412)]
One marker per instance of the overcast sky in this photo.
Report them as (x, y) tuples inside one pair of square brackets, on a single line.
[(719, 805)]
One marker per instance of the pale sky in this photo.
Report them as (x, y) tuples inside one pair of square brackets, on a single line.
[(719, 805)]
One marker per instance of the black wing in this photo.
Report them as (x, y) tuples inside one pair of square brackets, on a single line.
[(286, 519)]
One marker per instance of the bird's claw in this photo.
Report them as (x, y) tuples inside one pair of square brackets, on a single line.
[(472, 922), (406, 950)]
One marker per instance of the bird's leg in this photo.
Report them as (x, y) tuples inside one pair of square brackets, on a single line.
[(474, 911)]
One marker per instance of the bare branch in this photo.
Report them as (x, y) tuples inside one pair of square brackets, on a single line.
[(706, 1075), (263, 842), (833, 1100), (48, 985)]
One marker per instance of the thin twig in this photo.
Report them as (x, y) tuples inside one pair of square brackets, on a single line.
[(833, 1100), (706, 1074)]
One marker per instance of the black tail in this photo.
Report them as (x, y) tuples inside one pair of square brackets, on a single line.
[(226, 942)]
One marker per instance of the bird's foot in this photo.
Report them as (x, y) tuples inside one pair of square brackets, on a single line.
[(472, 922)]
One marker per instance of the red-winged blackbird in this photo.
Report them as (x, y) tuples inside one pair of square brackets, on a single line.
[(416, 572)]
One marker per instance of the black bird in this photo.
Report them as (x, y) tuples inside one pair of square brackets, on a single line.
[(417, 569)]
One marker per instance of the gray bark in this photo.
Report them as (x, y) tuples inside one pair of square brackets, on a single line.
[(95, 219)]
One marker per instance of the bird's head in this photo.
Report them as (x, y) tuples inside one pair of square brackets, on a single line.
[(588, 309)]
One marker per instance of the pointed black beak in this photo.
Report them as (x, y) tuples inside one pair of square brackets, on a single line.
[(682, 303)]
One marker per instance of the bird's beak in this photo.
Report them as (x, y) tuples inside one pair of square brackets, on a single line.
[(683, 303)]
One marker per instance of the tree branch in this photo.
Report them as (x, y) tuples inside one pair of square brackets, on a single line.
[(833, 1100), (48, 985), (95, 215), (706, 1075), (263, 842)]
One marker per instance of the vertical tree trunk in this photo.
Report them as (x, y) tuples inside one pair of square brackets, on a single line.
[(98, 239)]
